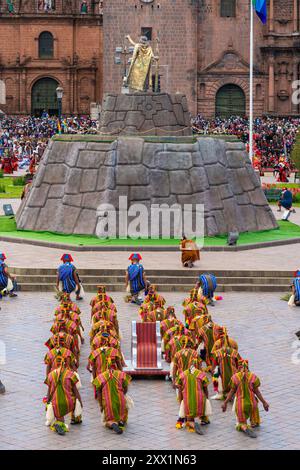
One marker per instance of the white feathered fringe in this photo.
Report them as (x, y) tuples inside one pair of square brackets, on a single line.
[(220, 385), (234, 406), (78, 409), (171, 369), (291, 302), (208, 408), (129, 402), (181, 412), (50, 418), (79, 384)]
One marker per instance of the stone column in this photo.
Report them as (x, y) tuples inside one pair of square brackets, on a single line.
[(271, 17), (295, 106), (295, 16), (271, 84)]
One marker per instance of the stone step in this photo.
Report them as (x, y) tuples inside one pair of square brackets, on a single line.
[(156, 272), (46, 287), (159, 280)]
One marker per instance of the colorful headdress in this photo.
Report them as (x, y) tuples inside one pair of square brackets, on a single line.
[(101, 289), (136, 256), (170, 312), (2, 256), (67, 257), (243, 364)]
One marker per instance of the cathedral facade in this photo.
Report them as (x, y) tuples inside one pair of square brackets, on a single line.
[(46, 44), (203, 47)]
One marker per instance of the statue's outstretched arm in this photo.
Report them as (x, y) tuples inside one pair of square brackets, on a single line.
[(130, 40)]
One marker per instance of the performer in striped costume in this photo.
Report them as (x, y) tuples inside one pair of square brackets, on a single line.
[(245, 386), (63, 393), (192, 385), (112, 386)]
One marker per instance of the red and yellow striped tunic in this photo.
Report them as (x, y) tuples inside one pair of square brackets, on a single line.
[(113, 386), (61, 382), (193, 386), (246, 404)]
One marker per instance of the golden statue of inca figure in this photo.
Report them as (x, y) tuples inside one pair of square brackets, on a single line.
[(139, 76)]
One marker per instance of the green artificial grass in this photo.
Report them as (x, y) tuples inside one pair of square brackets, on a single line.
[(283, 185), (287, 230), (11, 191), (159, 139)]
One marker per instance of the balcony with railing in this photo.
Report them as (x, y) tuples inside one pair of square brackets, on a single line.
[(12, 8)]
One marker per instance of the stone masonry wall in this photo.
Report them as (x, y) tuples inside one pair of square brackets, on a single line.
[(145, 114), (74, 178)]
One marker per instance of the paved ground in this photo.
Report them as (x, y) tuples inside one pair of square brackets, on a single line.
[(274, 258), (263, 325)]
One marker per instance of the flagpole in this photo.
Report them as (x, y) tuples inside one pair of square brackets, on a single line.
[(251, 86)]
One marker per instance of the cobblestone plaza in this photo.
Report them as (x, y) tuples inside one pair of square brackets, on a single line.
[(262, 324)]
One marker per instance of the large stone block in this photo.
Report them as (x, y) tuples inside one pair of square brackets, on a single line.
[(160, 183), (88, 181), (56, 191), (106, 178), (212, 151), (86, 222), (199, 180), (38, 196), (132, 174), (130, 151), (53, 176), (72, 200), (135, 119), (244, 180), (140, 193), (235, 159), (178, 161), (73, 182), (216, 174), (213, 199), (90, 159), (180, 182), (151, 153)]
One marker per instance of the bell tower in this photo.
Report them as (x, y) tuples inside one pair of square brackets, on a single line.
[(172, 22)]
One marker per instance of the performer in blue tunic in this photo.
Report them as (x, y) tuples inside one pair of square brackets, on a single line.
[(208, 283), (67, 277), (296, 291), (135, 278), (8, 283)]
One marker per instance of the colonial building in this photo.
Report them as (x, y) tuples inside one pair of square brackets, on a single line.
[(203, 47), (46, 44), (204, 50)]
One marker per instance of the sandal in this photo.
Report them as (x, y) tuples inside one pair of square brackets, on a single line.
[(198, 429), (249, 433), (59, 429), (115, 427)]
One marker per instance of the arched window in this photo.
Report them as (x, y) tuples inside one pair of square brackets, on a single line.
[(46, 45), (228, 8)]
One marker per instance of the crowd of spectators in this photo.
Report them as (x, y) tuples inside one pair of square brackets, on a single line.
[(273, 137), (24, 139)]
